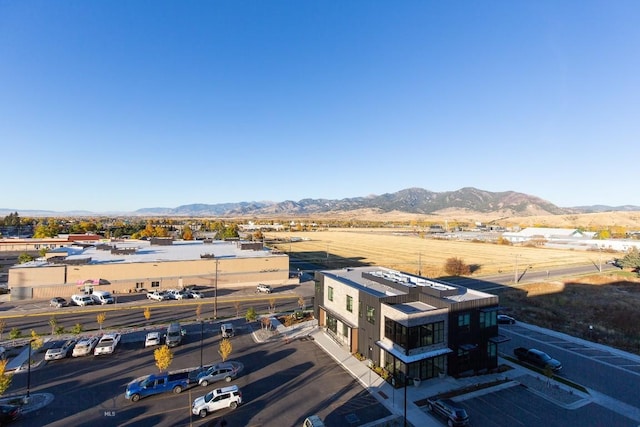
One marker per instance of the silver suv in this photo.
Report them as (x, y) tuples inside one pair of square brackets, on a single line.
[(222, 371), (448, 410), (264, 288)]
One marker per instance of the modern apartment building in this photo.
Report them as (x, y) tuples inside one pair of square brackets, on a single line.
[(412, 326)]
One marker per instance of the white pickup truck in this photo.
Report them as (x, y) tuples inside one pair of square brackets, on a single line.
[(107, 344)]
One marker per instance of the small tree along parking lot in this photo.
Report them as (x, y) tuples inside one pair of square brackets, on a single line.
[(5, 378), (163, 356), (251, 314), (225, 348), (100, 318)]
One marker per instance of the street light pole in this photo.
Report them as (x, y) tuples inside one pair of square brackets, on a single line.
[(215, 294), (29, 371), (201, 339), (515, 275)]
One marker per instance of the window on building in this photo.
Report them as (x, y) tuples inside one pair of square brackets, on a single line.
[(492, 349), (401, 336), (330, 293), (371, 315), (438, 332), (349, 304), (345, 330), (488, 319), (155, 284), (332, 324), (389, 329), (464, 322)]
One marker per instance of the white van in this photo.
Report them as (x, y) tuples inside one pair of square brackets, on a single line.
[(102, 297), (82, 300), (227, 330)]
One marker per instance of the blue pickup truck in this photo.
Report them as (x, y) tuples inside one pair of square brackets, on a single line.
[(157, 383)]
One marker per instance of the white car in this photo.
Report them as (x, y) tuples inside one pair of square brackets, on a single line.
[(107, 344), (177, 294), (59, 350), (153, 338), (195, 294), (157, 295), (85, 346), (82, 300), (226, 397)]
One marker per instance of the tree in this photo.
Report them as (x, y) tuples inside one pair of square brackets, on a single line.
[(24, 257), (77, 329), (301, 303), (198, 311), (5, 377), (225, 348), (251, 314), (3, 324), (236, 305), (631, 259), (265, 322), (36, 340), (456, 267), (53, 322), (15, 333), (164, 357), (272, 305), (187, 234), (147, 313), (100, 318)]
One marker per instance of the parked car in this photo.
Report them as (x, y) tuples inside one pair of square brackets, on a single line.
[(221, 371), (107, 344), (59, 350), (102, 297), (174, 334), (177, 294), (58, 302), (149, 385), (9, 413), (447, 409), (227, 330), (262, 288), (227, 397), (537, 357), (503, 319), (153, 338), (85, 346), (157, 295), (313, 421), (195, 294), (82, 300)]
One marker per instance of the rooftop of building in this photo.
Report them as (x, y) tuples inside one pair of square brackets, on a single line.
[(356, 277), (144, 251)]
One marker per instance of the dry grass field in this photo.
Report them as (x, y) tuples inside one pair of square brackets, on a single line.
[(408, 252), (608, 302)]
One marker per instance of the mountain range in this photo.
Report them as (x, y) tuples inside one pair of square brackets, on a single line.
[(411, 200)]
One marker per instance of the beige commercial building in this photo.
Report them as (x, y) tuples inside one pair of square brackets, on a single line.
[(135, 266)]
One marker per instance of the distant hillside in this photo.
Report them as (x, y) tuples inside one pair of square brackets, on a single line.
[(411, 200)]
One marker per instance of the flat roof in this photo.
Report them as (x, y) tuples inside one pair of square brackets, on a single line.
[(353, 276), (144, 252)]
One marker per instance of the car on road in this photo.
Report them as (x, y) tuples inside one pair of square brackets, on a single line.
[(262, 288), (503, 319), (448, 410), (221, 371), (227, 330), (59, 350), (152, 339), (58, 302), (537, 357), (227, 397), (107, 344), (85, 346), (82, 300), (9, 413), (157, 295)]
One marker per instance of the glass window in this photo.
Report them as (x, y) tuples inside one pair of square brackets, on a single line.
[(488, 319), (345, 330), (464, 322), (332, 324), (389, 329), (371, 315), (330, 293), (349, 304), (155, 284), (438, 332)]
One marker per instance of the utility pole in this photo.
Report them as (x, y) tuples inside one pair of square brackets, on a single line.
[(215, 294), (515, 276)]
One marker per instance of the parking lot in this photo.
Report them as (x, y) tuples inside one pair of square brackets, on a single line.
[(281, 384)]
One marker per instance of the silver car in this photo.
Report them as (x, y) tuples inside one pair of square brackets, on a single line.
[(59, 350), (221, 371)]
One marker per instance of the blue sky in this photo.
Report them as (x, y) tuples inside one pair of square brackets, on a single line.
[(120, 105)]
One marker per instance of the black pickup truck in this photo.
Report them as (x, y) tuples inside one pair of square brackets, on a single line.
[(537, 357)]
